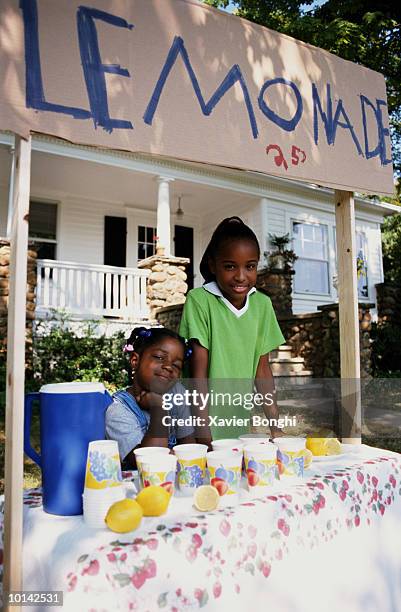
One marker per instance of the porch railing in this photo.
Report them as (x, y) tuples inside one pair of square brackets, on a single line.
[(87, 290)]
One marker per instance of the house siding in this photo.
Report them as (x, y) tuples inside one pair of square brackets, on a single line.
[(278, 218), (3, 209), (80, 234)]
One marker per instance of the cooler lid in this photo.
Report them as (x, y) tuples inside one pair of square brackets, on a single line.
[(74, 387)]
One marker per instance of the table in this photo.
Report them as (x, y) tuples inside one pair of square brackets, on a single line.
[(329, 541)]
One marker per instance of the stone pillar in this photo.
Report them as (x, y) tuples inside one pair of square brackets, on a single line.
[(388, 303), (166, 283), (277, 284), (163, 216), (4, 293), (170, 316), (331, 339)]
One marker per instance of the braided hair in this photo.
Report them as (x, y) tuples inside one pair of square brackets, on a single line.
[(142, 338), (229, 230)]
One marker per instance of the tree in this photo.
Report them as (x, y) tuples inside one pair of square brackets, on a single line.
[(391, 242), (363, 31)]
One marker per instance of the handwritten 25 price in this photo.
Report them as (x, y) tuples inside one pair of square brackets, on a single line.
[(298, 156)]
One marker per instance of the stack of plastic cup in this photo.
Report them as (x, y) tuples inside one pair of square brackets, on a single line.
[(261, 467), (143, 451), (103, 481), (159, 469), (224, 468), (191, 466), (290, 456)]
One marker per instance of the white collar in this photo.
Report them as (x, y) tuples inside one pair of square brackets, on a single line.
[(215, 290)]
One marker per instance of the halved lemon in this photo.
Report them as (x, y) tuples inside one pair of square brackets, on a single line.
[(307, 455), (206, 498), (332, 446), (323, 446)]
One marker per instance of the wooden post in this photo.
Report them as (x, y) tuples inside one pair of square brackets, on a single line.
[(14, 466), (349, 319)]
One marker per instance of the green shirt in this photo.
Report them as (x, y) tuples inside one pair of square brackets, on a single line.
[(235, 343)]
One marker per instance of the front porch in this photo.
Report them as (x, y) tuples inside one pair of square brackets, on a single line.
[(88, 291)]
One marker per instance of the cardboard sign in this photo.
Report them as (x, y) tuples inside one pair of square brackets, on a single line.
[(179, 79)]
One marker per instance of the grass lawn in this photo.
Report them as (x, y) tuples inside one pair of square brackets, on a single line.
[(32, 474)]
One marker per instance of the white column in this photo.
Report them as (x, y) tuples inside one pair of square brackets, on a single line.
[(14, 452), (163, 214)]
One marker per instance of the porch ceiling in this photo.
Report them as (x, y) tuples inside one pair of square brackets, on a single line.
[(55, 177)]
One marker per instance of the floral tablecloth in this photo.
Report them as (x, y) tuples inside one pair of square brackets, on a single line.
[(321, 542)]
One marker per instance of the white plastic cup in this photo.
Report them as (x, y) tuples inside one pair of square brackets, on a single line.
[(289, 457), (143, 451), (233, 444), (160, 470), (260, 467), (103, 467), (191, 466), (224, 468), (96, 503)]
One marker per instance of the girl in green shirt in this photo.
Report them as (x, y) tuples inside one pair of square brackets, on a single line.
[(233, 328)]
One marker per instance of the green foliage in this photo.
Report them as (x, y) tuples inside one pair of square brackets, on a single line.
[(64, 356), (363, 31), (386, 350), (391, 241), (279, 242)]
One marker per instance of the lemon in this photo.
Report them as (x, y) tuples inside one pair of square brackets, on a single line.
[(124, 515), (154, 500), (307, 455), (316, 446), (332, 446), (206, 498), (323, 446)]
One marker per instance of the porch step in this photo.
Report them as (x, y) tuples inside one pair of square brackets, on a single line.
[(287, 365), (283, 352), (301, 375)]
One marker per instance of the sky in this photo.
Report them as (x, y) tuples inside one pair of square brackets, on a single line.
[(231, 6)]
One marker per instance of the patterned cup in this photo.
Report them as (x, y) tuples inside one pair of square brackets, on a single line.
[(143, 451), (261, 467), (103, 468), (224, 468), (234, 444), (290, 456), (159, 470), (191, 466)]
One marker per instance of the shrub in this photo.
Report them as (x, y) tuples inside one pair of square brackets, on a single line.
[(62, 355), (386, 350)]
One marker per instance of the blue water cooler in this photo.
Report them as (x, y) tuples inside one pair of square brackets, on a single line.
[(71, 416)]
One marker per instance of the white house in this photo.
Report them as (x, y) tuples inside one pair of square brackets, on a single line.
[(94, 214)]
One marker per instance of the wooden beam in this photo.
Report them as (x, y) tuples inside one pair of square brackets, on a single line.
[(349, 318), (14, 467)]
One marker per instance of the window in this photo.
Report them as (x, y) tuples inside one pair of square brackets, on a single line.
[(43, 228), (310, 243), (146, 241), (362, 265)]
